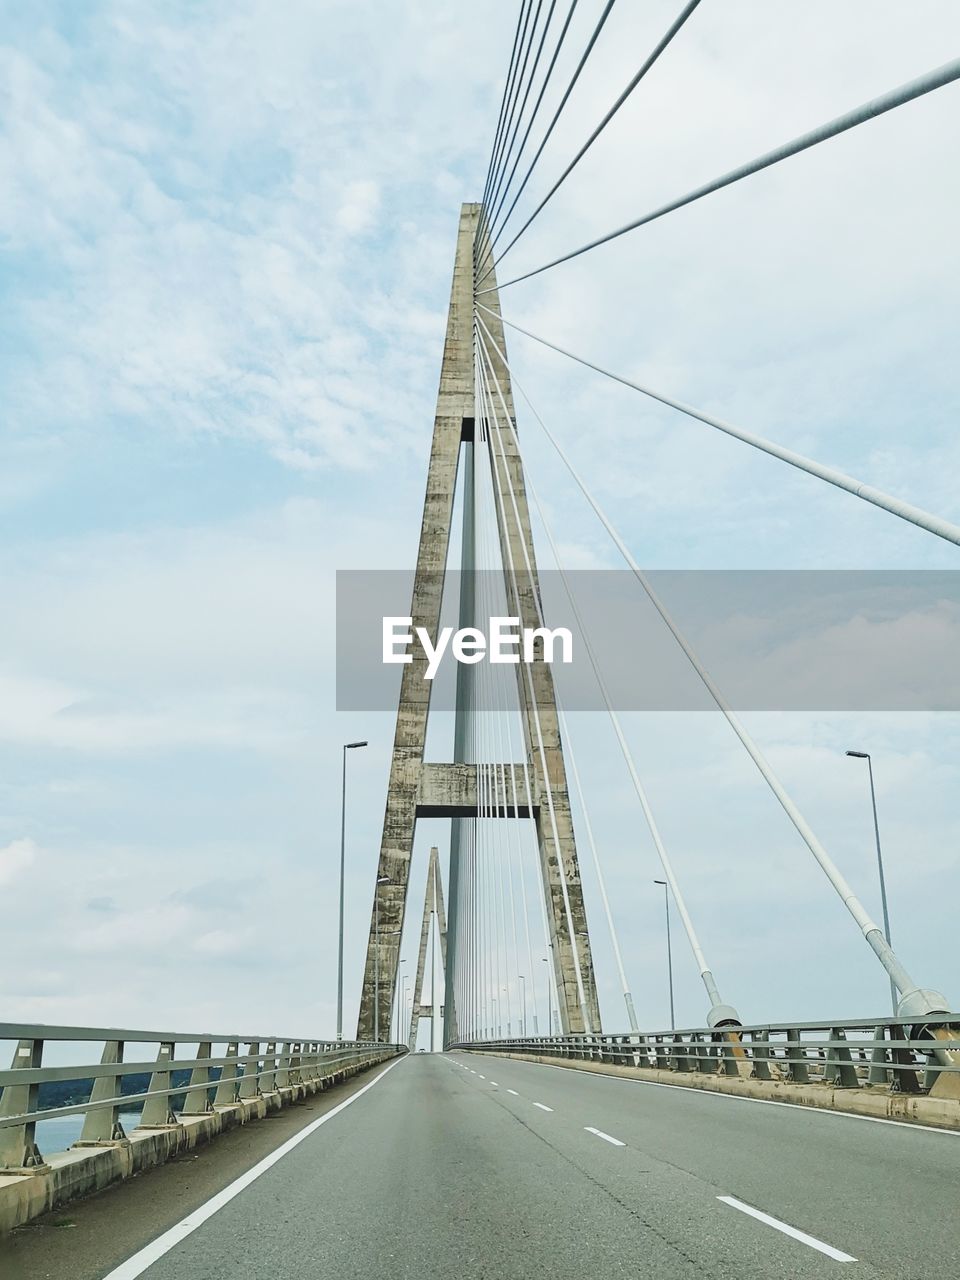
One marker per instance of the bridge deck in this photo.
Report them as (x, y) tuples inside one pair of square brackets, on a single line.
[(479, 1166)]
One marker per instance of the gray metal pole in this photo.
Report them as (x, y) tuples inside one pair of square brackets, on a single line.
[(376, 962), (523, 1005), (397, 999), (865, 755), (376, 956), (343, 841), (347, 746), (433, 982), (666, 903), (883, 883)]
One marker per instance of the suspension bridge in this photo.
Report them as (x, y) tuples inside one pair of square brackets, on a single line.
[(552, 1135)]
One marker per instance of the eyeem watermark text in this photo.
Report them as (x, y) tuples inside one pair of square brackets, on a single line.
[(505, 642)]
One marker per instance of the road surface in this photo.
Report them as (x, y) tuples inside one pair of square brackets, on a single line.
[(477, 1166)]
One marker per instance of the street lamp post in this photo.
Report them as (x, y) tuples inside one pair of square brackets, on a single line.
[(865, 755), (398, 999), (523, 1005), (549, 1001), (666, 903), (347, 746), (376, 957), (402, 1010)]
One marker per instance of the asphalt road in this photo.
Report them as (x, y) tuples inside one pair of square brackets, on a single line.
[(476, 1166)]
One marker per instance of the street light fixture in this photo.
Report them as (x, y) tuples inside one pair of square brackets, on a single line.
[(865, 755), (666, 903), (347, 746), (376, 957)]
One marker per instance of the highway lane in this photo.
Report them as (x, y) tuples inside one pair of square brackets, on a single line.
[(888, 1194), (86, 1238), (478, 1166)]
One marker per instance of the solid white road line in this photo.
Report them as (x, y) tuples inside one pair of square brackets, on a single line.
[(837, 1254), (514, 1092), (542, 1106), (152, 1252), (605, 1136)]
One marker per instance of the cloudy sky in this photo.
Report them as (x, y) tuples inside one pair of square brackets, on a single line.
[(227, 235)]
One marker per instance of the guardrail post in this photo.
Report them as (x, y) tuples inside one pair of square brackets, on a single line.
[(18, 1150), (705, 1060), (760, 1055), (283, 1068), (102, 1125), (678, 1057), (327, 1061), (226, 1095), (879, 1072), (295, 1056), (324, 1066), (268, 1081), (797, 1071), (156, 1112), (661, 1054), (250, 1080), (197, 1101), (839, 1067), (902, 1062), (312, 1063)]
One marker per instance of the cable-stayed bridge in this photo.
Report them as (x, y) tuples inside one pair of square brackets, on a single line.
[(548, 1138)]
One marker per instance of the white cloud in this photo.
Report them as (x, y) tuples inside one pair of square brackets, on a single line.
[(207, 276), (218, 942), (358, 210), (16, 858)]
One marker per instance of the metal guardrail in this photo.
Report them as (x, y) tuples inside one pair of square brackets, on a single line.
[(222, 1079), (896, 1053)]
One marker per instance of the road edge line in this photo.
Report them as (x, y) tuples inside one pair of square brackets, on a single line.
[(138, 1263)]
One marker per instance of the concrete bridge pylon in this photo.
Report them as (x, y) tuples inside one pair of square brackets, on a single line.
[(420, 788)]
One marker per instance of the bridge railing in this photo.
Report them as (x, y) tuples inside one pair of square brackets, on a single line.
[(196, 1074), (895, 1053)]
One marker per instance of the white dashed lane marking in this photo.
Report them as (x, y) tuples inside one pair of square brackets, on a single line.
[(837, 1254), (614, 1142)]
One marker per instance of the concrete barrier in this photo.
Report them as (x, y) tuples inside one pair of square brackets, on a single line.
[(87, 1168)]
